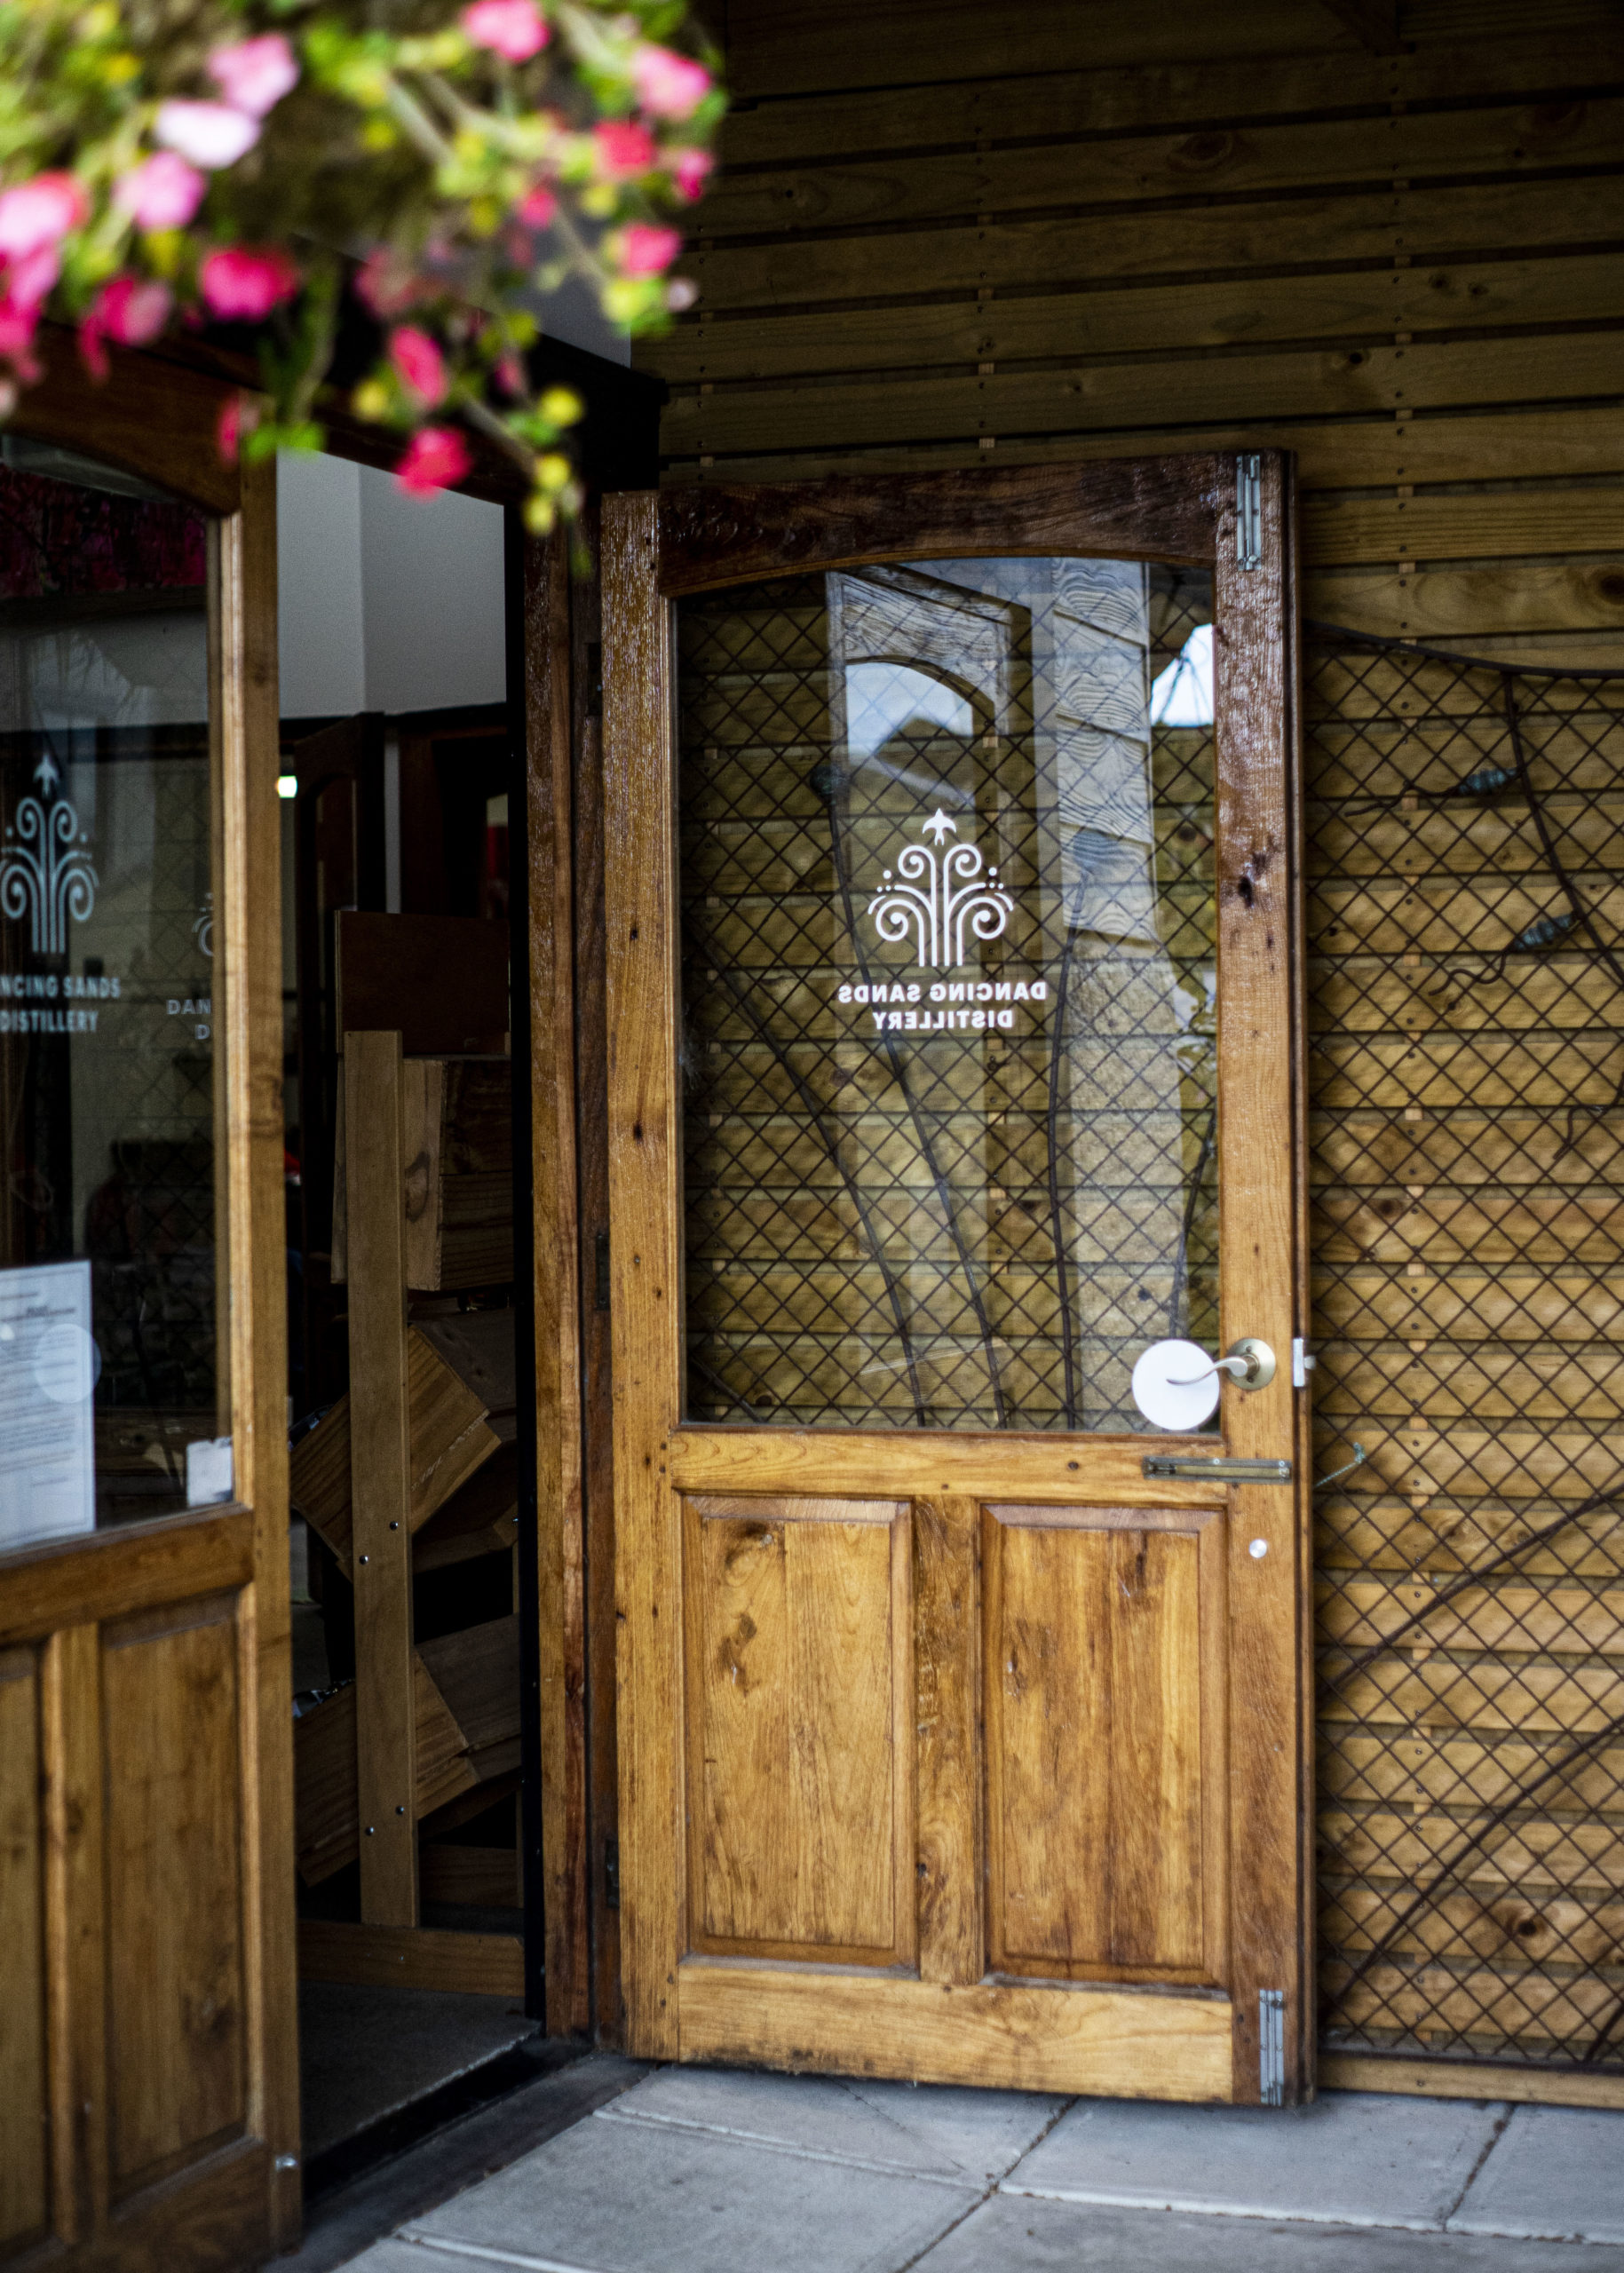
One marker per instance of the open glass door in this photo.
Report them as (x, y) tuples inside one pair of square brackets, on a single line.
[(147, 2048), (952, 931)]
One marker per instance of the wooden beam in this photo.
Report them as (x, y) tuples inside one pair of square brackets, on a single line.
[(406, 1957), (379, 1487), (1353, 2071), (1373, 23), (560, 1562)]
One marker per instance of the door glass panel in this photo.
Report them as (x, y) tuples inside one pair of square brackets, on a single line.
[(108, 1003), (949, 991)]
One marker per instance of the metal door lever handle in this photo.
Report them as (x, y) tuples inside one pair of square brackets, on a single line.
[(1233, 1367), (1250, 1363)]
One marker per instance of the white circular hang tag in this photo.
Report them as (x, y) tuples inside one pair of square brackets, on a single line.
[(1176, 1385), (67, 1363)]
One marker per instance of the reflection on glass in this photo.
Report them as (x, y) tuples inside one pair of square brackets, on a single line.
[(948, 991), (107, 1293)]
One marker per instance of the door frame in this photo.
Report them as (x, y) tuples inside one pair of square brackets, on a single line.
[(657, 547), (241, 2201)]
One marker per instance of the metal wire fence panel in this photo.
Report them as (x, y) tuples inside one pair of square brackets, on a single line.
[(948, 991), (1466, 928)]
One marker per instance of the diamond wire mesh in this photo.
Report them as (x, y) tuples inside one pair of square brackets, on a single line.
[(972, 1229), (1466, 890)]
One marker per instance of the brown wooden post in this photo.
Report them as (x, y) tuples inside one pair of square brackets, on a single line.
[(379, 1473)]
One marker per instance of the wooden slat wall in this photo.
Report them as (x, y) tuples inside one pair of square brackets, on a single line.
[(1408, 268), (1109, 229)]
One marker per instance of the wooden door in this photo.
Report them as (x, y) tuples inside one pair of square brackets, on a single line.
[(147, 2049), (953, 1032)]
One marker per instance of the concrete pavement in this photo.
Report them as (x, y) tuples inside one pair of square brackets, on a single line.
[(690, 2170)]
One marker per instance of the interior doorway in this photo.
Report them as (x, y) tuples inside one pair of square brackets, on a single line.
[(401, 784)]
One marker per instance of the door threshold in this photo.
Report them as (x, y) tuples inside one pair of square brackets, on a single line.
[(408, 2124)]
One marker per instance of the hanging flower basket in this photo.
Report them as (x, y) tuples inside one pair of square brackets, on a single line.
[(268, 165)]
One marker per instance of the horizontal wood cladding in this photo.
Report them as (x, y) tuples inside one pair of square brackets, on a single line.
[(783, 46), (1222, 164), (1226, 314), (1408, 268), (1149, 96), (1313, 231), (1146, 403)]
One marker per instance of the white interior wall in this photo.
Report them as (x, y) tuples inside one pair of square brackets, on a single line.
[(385, 602), (318, 587), (431, 597), (395, 603)]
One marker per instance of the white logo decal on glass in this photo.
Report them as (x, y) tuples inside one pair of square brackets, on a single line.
[(936, 896), (202, 925), (45, 873)]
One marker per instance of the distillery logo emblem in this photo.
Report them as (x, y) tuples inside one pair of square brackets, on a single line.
[(936, 896), (46, 870), (940, 898)]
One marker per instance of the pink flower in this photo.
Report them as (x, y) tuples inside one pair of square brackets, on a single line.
[(210, 134), (255, 74), (161, 193), (127, 310), (435, 456), (510, 372), (18, 323), (40, 213), (512, 28), (132, 311), (643, 251), (538, 206), (668, 85), (229, 426), (244, 286), (690, 171), (28, 280), (624, 148), (387, 287), (419, 363)]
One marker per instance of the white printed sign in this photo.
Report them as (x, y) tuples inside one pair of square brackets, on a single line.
[(49, 1364)]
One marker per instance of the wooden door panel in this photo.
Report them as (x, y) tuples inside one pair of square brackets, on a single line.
[(23, 2165), (914, 1268), (126, 1852), (796, 1627), (1104, 1755), (172, 1750), (1012, 2035)]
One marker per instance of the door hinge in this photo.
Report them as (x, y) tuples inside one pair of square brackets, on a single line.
[(1302, 1362), (612, 1873), (1216, 1471), (600, 1269), (1271, 2046), (1249, 510)]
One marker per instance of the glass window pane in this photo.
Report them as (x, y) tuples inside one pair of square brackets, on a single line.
[(949, 991), (108, 1260)]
